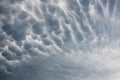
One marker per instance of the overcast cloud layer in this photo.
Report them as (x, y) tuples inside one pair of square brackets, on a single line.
[(59, 39)]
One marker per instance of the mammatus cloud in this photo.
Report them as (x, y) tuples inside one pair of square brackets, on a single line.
[(59, 40)]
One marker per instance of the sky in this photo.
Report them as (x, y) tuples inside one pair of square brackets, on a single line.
[(59, 40)]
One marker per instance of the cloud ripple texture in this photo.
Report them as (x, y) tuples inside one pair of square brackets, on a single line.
[(59, 39)]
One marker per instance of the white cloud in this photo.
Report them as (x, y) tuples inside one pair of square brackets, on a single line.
[(58, 40)]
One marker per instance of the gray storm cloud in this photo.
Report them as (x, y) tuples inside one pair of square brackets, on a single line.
[(59, 40)]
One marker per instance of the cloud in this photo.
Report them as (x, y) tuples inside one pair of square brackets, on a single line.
[(59, 40)]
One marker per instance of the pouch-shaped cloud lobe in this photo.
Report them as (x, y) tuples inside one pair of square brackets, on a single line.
[(59, 40)]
